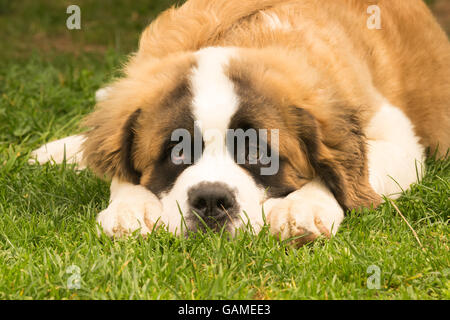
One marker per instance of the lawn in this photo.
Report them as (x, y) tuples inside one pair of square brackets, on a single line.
[(48, 77)]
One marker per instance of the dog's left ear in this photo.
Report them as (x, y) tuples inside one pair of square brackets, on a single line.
[(337, 152), (109, 146)]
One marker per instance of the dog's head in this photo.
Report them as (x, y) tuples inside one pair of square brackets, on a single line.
[(218, 133)]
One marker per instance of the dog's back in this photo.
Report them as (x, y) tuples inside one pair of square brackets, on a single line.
[(406, 57)]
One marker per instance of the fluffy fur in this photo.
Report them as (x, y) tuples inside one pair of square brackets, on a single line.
[(356, 108)]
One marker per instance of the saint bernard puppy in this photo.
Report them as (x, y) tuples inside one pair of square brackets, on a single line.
[(344, 98)]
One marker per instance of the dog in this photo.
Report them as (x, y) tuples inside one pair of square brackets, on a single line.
[(340, 113)]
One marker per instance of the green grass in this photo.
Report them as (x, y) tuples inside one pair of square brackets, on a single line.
[(47, 213)]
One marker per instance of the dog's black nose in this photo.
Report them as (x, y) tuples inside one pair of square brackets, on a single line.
[(212, 201)]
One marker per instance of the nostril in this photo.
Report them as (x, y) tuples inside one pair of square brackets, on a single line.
[(213, 200), (200, 203), (223, 204)]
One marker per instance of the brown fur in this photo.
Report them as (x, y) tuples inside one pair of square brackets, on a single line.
[(331, 67), (103, 149), (408, 60), (331, 146)]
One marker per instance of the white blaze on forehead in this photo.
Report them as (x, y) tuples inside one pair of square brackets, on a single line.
[(214, 98), (214, 104)]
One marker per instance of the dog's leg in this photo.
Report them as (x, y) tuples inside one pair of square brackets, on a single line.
[(68, 148), (395, 156), (306, 213), (132, 207)]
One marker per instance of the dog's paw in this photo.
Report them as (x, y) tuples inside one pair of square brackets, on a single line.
[(291, 218), (68, 148), (134, 209), (306, 214)]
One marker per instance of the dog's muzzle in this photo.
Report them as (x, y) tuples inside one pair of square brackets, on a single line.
[(213, 204)]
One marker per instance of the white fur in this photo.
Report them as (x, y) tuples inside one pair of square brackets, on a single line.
[(215, 100), (214, 103), (69, 147), (212, 169), (395, 156), (297, 214), (131, 207)]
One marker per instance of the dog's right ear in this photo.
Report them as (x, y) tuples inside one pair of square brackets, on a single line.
[(109, 146), (341, 165)]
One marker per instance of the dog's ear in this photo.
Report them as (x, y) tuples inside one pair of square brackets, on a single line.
[(336, 150), (109, 146), (126, 153)]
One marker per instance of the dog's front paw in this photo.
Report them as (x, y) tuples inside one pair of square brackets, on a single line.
[(68, 149), (306, 214), (133, 209)]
